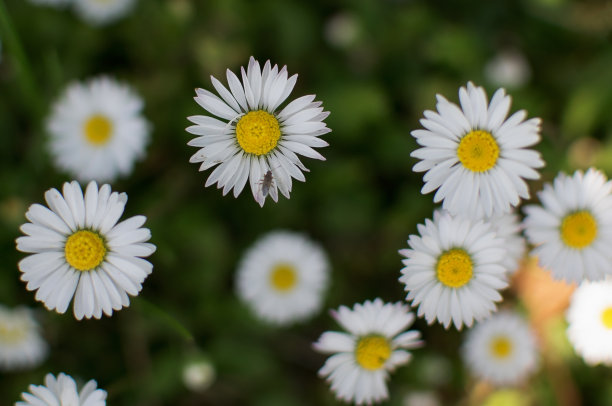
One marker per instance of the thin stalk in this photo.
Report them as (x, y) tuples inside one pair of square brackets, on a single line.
[(166, 318)]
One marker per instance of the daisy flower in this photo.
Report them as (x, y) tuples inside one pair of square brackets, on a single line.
[(454, 269), (282, 277), (63, 391), (590, 322), (97, 130), (101, 12), (501, 349), (80, 250), (476, 158), (21, 345), (508, 227), (375, 345), (251, 138), (572, 230)]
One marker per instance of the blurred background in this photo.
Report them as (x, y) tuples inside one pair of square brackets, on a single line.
[(376, 65)]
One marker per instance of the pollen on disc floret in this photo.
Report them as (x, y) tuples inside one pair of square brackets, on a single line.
[(282, 277), (475, 157), (79, 250), (571, 230), (454, 269), (376, 342), (501, 349), (97, 130), (249, 137)]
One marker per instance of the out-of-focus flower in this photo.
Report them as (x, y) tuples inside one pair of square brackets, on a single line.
[(21, 345), (63, 391), (590, 322), (421, 398), (97, 130), (572, 230), (253, 141), (375, 345), (508, 69), (78, 249), (501, 349), (101, 12), (474, 156), (198, 375), (283, 277), (342, 30), (454, 269)]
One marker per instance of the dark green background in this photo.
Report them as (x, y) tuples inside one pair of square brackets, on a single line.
[(361, 204)]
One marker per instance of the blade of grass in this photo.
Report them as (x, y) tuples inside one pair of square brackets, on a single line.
[(165, 317)]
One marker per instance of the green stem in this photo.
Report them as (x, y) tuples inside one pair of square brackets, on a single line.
[(166, 318), (22, 64)]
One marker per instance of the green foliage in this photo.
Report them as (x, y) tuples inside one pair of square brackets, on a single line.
[(361, 204)]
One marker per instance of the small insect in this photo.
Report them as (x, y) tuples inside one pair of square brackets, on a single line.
[(266, 183)]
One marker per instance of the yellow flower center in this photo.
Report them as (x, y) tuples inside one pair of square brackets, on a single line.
[(454, 268), (372, 352), (283, 277), (85, 250), (501, 347), (578, 229), (11, 334), (478, 151), (258, 132), (606, 317), (98, 129)]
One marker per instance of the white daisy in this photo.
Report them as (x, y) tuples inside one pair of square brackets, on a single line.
[(283, 277), (63, 391), (253, 139), (454, 269), (572, 230), (97, 130), (590, 322), (501, 349), (21, 345), (100, 12), (508, 227), (476, 158), (375, 345), (80, 250)]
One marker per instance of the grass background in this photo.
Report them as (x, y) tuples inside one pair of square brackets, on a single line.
[(376, 65)]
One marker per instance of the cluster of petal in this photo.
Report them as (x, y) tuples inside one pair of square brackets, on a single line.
[(304, 298), (463, 191), (587, 330), (590, 192), (129, 131), (349, 380), (63, 391), (520, 359), (474, 300), (103, 289), (21, 345), (301, 125)]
